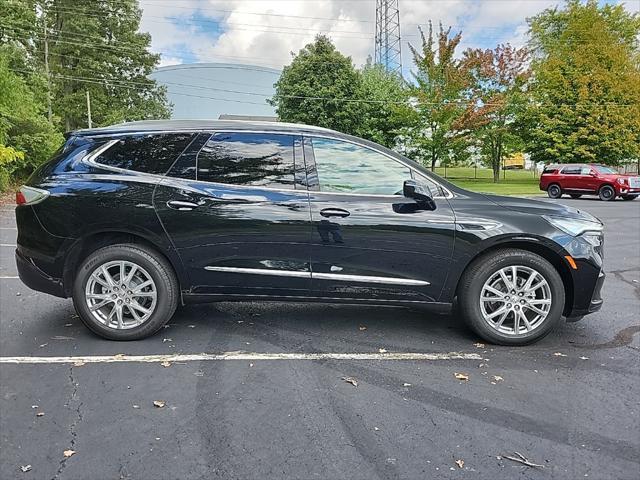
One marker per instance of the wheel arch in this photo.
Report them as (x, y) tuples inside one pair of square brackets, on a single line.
[(539, 248), (89, 243)]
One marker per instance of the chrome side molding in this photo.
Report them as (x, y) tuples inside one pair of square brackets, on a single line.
[(321, 276)]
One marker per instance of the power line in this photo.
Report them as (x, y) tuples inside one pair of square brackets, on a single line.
[(133, 84)]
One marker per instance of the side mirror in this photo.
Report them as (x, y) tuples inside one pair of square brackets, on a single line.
[(420, 193)]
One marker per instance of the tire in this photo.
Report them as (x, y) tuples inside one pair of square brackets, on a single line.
[(629, 197), (576, 195), (607, 193), (155, 302), (483, 270), (554, 191)]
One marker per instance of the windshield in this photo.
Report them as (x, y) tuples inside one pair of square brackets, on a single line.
[(601, 169)]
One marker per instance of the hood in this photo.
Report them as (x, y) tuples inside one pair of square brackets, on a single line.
[(539, 207)]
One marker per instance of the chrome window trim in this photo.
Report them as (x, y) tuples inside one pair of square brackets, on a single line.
[(91, 159), (321, 276)]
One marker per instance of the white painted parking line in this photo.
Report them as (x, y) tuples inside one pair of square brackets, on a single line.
[(6, 277), (199, 357), (8, 228), (8, 245)]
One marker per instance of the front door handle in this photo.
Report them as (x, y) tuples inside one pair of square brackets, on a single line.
[(180, 205), (334, 212)]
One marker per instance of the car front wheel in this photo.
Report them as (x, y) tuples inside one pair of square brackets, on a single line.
[(554, 191), (511, 297), (606, 193), (125, 292)]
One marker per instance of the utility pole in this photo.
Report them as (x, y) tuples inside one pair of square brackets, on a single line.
[(88, 109), (46, 66)]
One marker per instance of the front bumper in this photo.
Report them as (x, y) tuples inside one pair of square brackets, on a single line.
[(36, 279)]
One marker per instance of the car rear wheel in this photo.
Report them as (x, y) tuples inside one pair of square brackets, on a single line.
[(629, 197), (606, 193), (554, 191), (125, 292), (576, 195), (511, 297)]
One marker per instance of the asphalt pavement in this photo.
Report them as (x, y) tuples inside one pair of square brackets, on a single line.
[(569, 403)]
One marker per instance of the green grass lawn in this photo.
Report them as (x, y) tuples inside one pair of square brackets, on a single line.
[(517, 182)]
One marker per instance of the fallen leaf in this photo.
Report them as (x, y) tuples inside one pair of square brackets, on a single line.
[(68, 324), (43, 345), (406, 384), (362, 328), (498, 378), (136, 406), (159, 403), (376, 428), (479, 345), (25, 468), (558, 354), (78, 364), (584, 358), (461, 376), (351, 380), (191, 326), (69, 453), (460, 463), (35, 406), (251, 364), (382, 350), (40, 414), (167, 340), (166, 364)]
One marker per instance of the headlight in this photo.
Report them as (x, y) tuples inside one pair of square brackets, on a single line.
[(622, 181), (574, 226)]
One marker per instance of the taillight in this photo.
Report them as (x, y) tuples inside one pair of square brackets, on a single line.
[(30, 195)]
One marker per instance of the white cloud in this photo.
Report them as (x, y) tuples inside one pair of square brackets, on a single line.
[(264, 32)]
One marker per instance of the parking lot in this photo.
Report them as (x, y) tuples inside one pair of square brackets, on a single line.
[(570, 403)]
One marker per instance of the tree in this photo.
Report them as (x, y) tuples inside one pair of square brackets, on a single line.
[(439, 127), (499, 80), (26, 137), (95, 46), (384, 98), (586, 84), (320, 87)]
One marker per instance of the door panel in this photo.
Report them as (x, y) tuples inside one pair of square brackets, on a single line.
[(373, 244), (240, 239)]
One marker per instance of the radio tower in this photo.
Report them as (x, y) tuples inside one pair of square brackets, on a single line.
[(388, 46)]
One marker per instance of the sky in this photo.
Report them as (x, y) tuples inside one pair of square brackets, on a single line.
[(265, 32)]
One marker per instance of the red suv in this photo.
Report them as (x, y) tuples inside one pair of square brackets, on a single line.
[(582, 179)]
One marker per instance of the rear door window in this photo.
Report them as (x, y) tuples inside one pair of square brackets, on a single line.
[(147, 153), (256, 159), (571, 170)]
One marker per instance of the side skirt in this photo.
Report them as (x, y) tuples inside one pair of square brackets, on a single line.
[(190, 298)]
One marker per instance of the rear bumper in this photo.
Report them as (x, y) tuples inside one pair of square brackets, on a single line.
[(36, 279)]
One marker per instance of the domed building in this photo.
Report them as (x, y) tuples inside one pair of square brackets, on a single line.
[(219, 90)]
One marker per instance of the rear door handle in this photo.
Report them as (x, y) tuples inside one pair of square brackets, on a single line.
[(334, 212), (180, 205)]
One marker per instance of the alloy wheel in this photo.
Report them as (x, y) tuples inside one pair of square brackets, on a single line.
[(121, 294), (515, 300)]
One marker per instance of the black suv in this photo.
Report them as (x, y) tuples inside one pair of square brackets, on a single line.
[(134, 219)]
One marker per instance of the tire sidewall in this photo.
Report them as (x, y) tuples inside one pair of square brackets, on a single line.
[(606, 188), (165, 299), (554, 191), (487, 267)]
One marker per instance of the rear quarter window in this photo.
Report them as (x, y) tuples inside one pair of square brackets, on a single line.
[(549, 170), (147, 153)]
